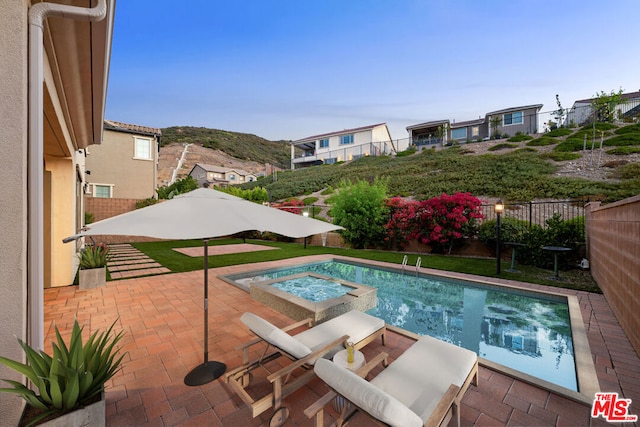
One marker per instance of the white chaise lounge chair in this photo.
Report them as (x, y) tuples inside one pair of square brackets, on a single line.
[(304, 349), (422, 387)]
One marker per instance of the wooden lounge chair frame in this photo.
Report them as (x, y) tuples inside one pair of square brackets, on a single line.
[(240, 377), (448, 406)]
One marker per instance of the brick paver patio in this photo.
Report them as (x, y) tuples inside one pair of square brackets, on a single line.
[(163, 319)]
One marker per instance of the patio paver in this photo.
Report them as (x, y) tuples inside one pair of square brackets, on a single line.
[(163, 320)]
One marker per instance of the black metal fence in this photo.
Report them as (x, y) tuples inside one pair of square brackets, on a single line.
[(539, 212)]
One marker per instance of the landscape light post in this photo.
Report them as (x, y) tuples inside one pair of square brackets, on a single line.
[(305, 213), (498, 208)]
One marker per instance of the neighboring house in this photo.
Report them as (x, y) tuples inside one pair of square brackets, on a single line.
[(344, 145), (125, 165), (218, 176), (471, 130), (507, 121), (429, 133), (513, 120), (581, 112), (52, 101)]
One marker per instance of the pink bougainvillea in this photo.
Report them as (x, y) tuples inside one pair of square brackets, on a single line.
[(292, 205), (440, 221)]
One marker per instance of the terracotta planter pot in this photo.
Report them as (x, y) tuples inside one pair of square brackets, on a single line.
[(92, 278)]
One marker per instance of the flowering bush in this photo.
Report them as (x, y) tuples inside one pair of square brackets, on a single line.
[(440, 221), (292, 205), (94, 256)]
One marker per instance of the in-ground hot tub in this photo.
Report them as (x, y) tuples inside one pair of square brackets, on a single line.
[(310, 295)]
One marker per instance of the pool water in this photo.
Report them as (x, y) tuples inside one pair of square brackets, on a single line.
[(526, 331), (312, 289)]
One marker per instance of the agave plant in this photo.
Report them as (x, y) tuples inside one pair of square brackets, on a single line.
[(94, 256), (70, 378)]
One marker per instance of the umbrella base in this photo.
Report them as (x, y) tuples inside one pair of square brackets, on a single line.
[(205, 373)]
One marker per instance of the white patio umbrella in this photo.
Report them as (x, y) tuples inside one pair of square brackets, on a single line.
[(204, 214)]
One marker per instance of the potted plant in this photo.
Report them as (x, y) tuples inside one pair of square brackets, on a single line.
[(93, 266), (68, 387)]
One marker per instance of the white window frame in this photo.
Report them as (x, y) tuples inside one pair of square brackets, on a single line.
[(459, 130), (137, 154), (349, 138), (511, 114), (94, 187)]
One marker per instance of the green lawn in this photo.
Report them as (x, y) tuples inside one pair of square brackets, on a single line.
[(164, 254)]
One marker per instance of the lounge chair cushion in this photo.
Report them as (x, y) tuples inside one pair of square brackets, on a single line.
[(275, 336), (366, 396), (421, 375), (356, 324)]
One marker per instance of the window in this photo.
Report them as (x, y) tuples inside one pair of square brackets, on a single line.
[(323, 143), (330, 161), (475, 131), (143, 149), (231, 177), (102, 191), (346, 139), (460, 133), (512, 118)]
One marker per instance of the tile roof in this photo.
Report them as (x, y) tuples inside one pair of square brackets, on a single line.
[(625, 96), (506, 110), (221, 169), (467, 123), (126, 127), (428, 124)]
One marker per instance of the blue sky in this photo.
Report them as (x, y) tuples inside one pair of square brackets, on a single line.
[(287, 69)]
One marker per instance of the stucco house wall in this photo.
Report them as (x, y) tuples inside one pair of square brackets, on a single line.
[(114, 163), (367, 140), (529, 123), (13, 193), (74, 59)]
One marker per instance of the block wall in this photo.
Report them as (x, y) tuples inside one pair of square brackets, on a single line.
[(613, 250)]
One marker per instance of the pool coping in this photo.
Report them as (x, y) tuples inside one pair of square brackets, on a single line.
[(586, 375)]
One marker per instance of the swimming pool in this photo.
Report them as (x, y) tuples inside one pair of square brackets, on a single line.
[(522, 330)]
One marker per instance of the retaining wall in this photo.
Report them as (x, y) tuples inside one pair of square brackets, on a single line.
[(613, 250)]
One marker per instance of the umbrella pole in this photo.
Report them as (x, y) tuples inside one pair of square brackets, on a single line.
[(207, 371)]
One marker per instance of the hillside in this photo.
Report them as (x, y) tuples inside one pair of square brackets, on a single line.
[(522, 168), (551, 165), (242, 146)]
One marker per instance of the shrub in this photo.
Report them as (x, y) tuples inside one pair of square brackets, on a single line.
[(94, 256), (542, 141), (72, 377), (442, 222), (561, 156), (628, 129), (628, 171), (519, 137), (623, 151), (570, 144), (511, 230), (360, 209), (408, 152), (145, 202), (502, 146), (559, 132), (181, 186), (88, 218), (622, 140), (309, 200)]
